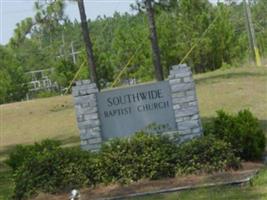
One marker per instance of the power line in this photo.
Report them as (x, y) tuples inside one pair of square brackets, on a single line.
[(126, 66), (199, 40)]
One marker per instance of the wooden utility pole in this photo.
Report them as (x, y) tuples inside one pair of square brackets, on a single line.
[(154, 41), (251, 35), (88, 43)]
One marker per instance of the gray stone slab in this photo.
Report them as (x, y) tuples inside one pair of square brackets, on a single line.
[(187, 79), (89, 124), (88, 117), (191, 93), (94, 134), (86, 92), (82, 131), (188, 124), (75, 93), (85, 99), (95, 141), (90, 135), (186, 112), (180, 66), (83, 142), (176, 107), (188, 137), (183, 99), (80, 118), (89, 104), (84, 136), (91, 147), (185, 132), (179, 119), (175, 81), (180, 75), (196, 130), (184, 105), (182, 87), (193, 103), (88, 82), (84, 86), (195, 117), (96, 129), (124, 111), (90, 110), (78, 83), (179, 71), (183, 74), (178, 94)]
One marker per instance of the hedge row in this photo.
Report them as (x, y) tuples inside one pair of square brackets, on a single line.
[(46, 167)]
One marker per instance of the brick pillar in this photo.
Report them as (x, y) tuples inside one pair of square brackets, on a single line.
[(184, 102), (84, 94)]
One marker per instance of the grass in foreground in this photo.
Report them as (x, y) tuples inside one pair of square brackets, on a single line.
[(256, 190)]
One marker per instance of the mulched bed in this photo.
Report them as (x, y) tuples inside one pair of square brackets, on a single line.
[(116, 191)]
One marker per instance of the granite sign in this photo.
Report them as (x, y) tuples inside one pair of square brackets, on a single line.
[(127, 110), (123, 111)]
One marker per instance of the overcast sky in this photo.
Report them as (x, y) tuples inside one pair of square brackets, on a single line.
[(13, 11)]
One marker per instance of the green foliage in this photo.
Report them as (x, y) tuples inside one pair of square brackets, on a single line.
[(153, 156), (21, 153), (21, 31), (138, 157), (65, 71), (46, 167), (6, 185), (117, 39), (53, 170), (242, 131), (206, 154), (12, 78), (45, 94)]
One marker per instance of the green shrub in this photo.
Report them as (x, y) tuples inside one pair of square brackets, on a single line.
[(141, 156), (54, 171), (242, 131), (46, 167), (205, 154), (23, 152)]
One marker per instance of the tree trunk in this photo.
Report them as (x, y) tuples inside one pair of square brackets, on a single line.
[(154, 41), (88, 43)]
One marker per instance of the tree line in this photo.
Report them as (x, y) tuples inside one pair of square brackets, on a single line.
[(216, 31)]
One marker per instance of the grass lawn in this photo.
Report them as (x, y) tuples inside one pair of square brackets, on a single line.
[(27, 122), (231, 90)]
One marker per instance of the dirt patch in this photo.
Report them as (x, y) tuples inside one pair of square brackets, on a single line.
[(146, 186)]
